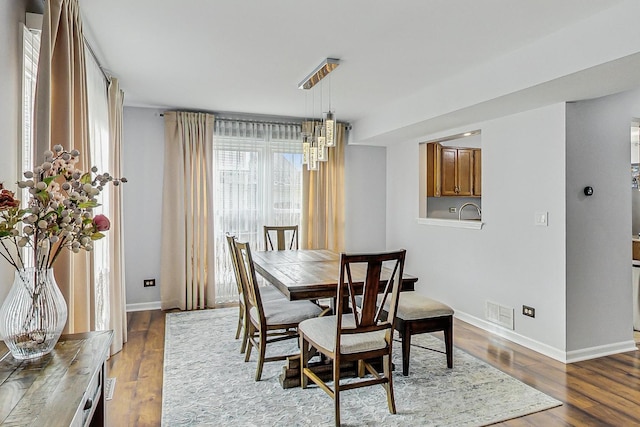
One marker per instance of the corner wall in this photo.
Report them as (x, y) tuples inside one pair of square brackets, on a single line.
[(599, 311)]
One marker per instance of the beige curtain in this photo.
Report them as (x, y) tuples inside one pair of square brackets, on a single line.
[(61, 118), (117, 294), (322, 218), (187, 255)]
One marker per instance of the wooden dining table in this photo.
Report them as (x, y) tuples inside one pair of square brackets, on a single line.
[(309, 274)]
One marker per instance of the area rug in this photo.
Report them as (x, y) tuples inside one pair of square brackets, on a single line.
[(207, 382)]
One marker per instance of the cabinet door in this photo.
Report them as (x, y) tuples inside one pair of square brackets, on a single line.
[(464, 171), (433, 169), (449, 184), (477, 172)]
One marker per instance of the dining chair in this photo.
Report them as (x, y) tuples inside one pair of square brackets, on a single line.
[(280, 232), (359, 331), (269, 321), (267, 293)]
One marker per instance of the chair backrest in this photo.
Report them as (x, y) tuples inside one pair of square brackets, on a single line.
[(249, 278), (234, 261), (280, 232), (363, 277)]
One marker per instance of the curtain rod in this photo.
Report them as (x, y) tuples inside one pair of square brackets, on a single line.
[(95, 58)]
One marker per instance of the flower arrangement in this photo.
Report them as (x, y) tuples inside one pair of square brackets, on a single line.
[(59, 213)]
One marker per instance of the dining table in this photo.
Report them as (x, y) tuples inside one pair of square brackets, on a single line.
[(311, 274)]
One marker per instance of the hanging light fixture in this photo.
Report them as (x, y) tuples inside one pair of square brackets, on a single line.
[(317, 137)]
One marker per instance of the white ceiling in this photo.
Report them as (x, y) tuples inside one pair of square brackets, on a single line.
[(248, 56)]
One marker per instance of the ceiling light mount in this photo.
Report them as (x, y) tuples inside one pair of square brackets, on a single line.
[(321, 71)]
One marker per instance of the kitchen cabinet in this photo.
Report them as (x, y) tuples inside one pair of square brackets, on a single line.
[(477, 172), (453, 171)]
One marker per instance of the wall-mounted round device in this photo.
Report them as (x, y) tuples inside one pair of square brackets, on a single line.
[(588, 191)]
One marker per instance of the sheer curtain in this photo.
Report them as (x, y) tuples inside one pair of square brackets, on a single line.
[(187, 251), (98, 125), (257, 176)]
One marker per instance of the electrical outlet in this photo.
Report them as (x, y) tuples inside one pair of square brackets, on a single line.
[(149, 282), (528, 311)]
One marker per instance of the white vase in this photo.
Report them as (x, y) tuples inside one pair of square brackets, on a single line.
[(33, 314)]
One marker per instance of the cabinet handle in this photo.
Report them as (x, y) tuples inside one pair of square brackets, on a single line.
[(88, 404)]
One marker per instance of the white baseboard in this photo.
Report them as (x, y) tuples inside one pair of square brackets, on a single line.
[(552, 352), (600, 351), (142, 306), (531, 344)]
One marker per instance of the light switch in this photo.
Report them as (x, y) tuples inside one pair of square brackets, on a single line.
[(541, 218)]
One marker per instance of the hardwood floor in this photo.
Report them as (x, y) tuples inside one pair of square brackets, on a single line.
[(600, 392)]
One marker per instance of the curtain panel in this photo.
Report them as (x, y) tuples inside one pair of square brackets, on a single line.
[(322, 219), (187, 252), (117, 296), (61, 118)]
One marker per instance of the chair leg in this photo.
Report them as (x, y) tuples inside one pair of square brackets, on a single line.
[(240, 321), (304, 360), (250, 333), (388, 374), (261, 354), (448, 342), (336, 390), (245, 336), (406, 347)]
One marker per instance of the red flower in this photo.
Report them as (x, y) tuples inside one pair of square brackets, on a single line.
[(7, 200), (101, 223)]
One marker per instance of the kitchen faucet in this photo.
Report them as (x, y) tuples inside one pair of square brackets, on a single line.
[(469, 204)]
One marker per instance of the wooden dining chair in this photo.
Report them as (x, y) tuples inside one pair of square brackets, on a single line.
[(267, 293), (283, 234), (358, 332), (269, 321)]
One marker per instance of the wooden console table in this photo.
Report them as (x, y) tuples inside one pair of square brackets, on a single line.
[(63, 388)]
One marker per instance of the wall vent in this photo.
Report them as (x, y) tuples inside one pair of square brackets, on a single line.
[(499, 314)]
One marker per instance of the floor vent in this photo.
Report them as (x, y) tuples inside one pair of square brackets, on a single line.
[(499, 314)]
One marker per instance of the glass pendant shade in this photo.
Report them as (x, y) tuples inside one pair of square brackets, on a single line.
[(313, 158), (330, 129), (305, 151), (322, 145)]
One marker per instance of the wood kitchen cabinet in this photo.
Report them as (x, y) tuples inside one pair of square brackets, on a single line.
[(453, 171), (477, 172)]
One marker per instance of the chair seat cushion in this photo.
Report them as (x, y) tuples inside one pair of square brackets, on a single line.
[(270, 293), (285, 312), (413, 306), (322, 331)]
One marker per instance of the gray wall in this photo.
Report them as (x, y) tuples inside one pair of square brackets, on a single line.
[(365, 198), (599, 227), (510, 261), (12, 16), (143, 154)]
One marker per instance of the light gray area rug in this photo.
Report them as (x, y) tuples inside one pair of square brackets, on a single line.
[(207, 383)]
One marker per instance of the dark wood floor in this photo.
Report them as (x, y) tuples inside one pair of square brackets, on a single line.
[(600, 392)]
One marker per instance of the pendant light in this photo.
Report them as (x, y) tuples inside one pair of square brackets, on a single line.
[(316, 137)]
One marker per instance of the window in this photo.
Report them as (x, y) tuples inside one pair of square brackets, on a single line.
[(30, 53), (257, 181)]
